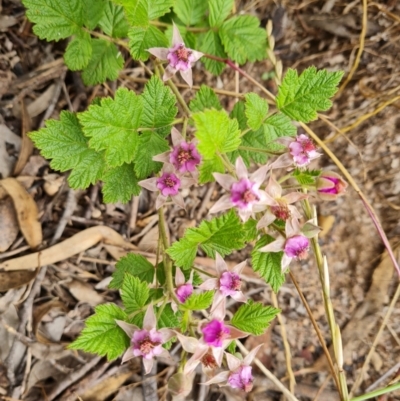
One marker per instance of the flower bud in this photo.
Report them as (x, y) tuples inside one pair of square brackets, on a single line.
[(330, 185), (180, 386)]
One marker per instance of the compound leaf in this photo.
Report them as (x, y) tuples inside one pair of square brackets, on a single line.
[(212, 44), (190, 12), (78, 52), (113, 21), (256, 110), (134, 293), (205, 98), (219, 10), (157, 8), (198, 301), (143, 38), (92, 12)]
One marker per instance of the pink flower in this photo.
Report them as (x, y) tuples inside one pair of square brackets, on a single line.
[(239, 375), (184, 155), (227, 283), (146, 342), (168, 184), (279, 207), (179, 56), (215, 332), (295, 245), (183, 290), (330, 185), (245, 193)]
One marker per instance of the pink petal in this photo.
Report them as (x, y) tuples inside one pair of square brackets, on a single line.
[(150, 184), (273, 188), (219, 378), (241, 170), (176, 137), (274, 246), (220, 264), (162, 157), (160, 201), (127, 355), (179, 277), (292, 227), (233, 362), (148, 365), (218, 299), (160, 52), (209, 284), (245, 214), (294, 197), (166, 334), (169, 73), (266, 220), (236, 333), (128, 328), (219, 311), (222, 204), (196, 55), (176, 36), (251, 355), (238, 268), (284, 160), (225, 180), (178, 200), (149, 321), (187, 76), (218, 353), (239, 297)]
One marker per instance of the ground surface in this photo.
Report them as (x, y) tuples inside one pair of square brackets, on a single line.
[(321, 33)]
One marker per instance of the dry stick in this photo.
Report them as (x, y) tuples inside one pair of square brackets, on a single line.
[(373, 346), (360, 48), (288, 356), (268, 374), (316, 328)]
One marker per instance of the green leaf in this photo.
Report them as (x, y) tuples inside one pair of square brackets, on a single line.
[(254, 318), (113, 126), (135, 11), (92, 12), (150, 144), (78, 52), (251, 231), (238, 112), (55, 19), (278, 125), (216, 133), (198, 301), (268, 264), (135, 265), (143, 38), (256, 110), (243, 39), (134, 293), (168, 318), (113, 21), (159, 106), (219, 11), (231, 348), (157, 8), (205, 98), (222, 234), (301, 97), (190, 12), (208, 167), (105, 63), (102, 335), (253, 139), (212, 44), (63, 142), (306, 177), (120, 184)]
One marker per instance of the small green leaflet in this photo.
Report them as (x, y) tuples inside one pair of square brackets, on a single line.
[(205, 98), (78, 52), (278, 125), (208, 167), (222, 234), (93, 11), (198, 301), (268, 264), (113, 126), (219, 10), (216, 133), (101, 335), (135, 265), (55, 19), (120, 184), (256, 110), (238, 112), (211, 44), (190, 12), (169, 318), (157, 8), (306, 177), (301, 97), (134, 293), (243, 39), (143, 38), (113, 21), (254, 318), (105, 63), (63, 142), (135, 11)]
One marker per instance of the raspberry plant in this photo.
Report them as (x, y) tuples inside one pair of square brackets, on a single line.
[(162, 141)]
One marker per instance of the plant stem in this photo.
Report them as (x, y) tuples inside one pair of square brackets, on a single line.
[(188, 28), (377, 393), (258, 150)]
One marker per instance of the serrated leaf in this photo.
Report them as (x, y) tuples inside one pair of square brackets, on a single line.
[(134, 293), (306, 177), (113, 126), (105, 63), (238, 112), (301, 97), (278, 125), (113, 21), (205, 98), (256, 110), (143, 38), (254, 318), (216, 133), (78, 52), (120, 184), (208, 167), (250, 230), (222, 234), (168, 318), (268, 264), (101, 335), (135, 265), (63, 142), (55, 19), (150, 144), (219, 11), (243, 39), (190, 12), (135, 11), (157, 8), (159, 106), (212, 44), (256, 140), (92, 12), (198, 301)]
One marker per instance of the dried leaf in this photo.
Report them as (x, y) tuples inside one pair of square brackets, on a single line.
[(15, 279), (6, 161), (84, 292), (8, 224)]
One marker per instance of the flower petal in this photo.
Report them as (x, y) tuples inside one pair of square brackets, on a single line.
[(176, 137), (166, 334), (294, 197), (219, 311), (187, 76), (127, 327), (162, 157), (292, 227), (266, 220), (259, 175), (149, 321), (189, 344), (274, 246), (251, 355), (148, 365), (284, 160), (218, 353), (169, 73), (219, 297), (285, 262), (150, 184), (219, 378), (233, 362), (195, 359), (225, 180), (160, 201), (196, 55), (241, 169), (178, 200), (127, 355), (179, 277), (159, 52), (238, 296), (209, 284), (187, 182), (245, 214), (220, 264), (176, 35), (236, 333), (273, 188), (222, 204)]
